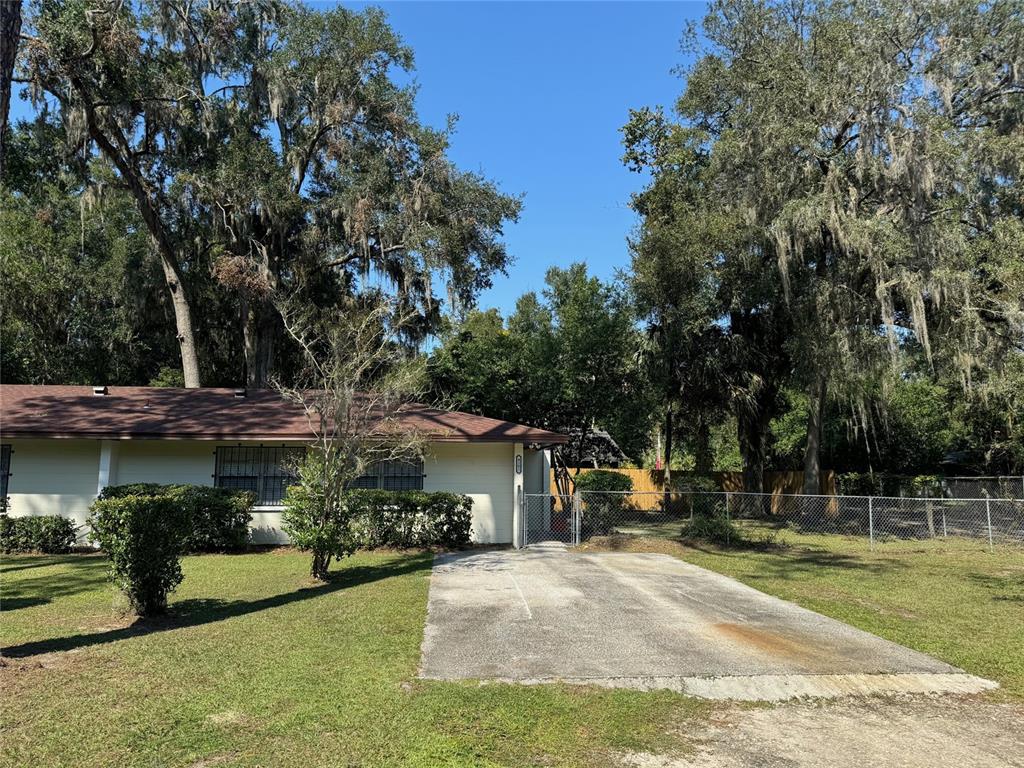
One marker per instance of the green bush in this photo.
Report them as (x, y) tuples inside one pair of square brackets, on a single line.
[(144, 538), (603, 480), (312, 524), (369, 519), (50, 534), (405, 519), (605, 498), (218, 517), (716, 529)]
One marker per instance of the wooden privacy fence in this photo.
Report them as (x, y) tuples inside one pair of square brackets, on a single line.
[(653, 481)]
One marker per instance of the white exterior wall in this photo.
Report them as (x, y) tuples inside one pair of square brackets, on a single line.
[(53, 477), (484, 472), (189, 462), (50, 477)]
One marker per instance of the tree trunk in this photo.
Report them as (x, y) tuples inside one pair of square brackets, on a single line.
[(321, 562), (157, 231), (259, 331), (183, 323), (751, 436), (704, 459), (10, 28), (815, 417)]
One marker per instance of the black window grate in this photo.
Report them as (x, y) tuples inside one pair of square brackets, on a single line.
[(392, 476), (5, 470), (265, 471)]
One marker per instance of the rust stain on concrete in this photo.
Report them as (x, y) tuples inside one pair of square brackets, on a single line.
[(771, 643)]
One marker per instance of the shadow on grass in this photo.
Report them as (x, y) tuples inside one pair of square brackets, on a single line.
[(15, 602), (798, 559), (15, 563), (87, 574), (775, 559), (1004, 588), (196, 612)]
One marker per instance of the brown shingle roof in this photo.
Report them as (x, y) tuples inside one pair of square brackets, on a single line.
[(212, 414)]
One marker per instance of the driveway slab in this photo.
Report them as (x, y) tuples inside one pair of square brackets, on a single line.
[(651, 621)]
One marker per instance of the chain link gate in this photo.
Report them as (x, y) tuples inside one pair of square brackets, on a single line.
[(546, 518)]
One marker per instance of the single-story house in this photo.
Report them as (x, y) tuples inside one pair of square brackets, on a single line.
[(61, 445)]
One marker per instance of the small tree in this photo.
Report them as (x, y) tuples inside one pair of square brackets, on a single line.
[(357, 383)]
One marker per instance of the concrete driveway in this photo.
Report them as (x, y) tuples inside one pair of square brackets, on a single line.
[(651, 621)]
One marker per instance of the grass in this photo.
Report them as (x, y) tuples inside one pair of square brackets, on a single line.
[(951, 599), (258, 666)]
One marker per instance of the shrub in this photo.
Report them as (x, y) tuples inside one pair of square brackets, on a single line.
[(218, 517), (605, 500), (603, 480), (144, 538), (405, 519), (369, 519), (50, 534), (716, 529)]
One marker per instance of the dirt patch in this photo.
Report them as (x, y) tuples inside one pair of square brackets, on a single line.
[(229, 718), (209, 762), (903, 732), (41, 661)]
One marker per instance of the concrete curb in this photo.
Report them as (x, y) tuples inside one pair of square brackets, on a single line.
[(774, 688)]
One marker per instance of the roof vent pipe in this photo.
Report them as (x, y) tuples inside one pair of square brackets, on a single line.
[(99, 391), (240, 393)]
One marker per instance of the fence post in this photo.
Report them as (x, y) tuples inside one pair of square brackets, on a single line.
[(521, 509), (944, 534), (577, 515), (871, 522), (988, 515)]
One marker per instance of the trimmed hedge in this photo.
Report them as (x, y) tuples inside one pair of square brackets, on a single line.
[(49, 534), (404, 519), (218, 517), (144, 538)]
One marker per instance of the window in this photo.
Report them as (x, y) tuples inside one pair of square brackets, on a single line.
[(5, 472), (264, 471), (393, 476)]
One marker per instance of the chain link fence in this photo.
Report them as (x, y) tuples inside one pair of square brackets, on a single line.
[(546, 519), (993, 487), (879, 519)]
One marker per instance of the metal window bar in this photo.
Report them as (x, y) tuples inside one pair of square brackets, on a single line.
[(392, 475), (5, 471), (262, 470)]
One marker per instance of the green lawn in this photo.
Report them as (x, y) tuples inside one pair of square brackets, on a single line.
[(952, 599), (256, 666)]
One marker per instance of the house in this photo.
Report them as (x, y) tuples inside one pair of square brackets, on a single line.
[(61, 445)]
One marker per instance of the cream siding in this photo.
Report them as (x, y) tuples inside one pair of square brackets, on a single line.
[(61, 477), (166, 462), (482, 471), (53, 477)]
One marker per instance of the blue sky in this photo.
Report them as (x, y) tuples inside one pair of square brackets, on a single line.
[(542, 90)]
